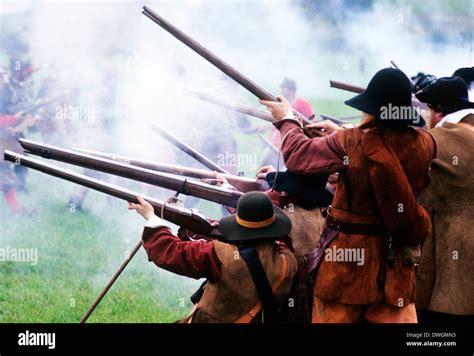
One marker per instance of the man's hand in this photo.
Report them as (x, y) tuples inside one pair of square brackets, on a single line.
[(218, 181), (326, 125), (143, 208), (279, 109), (262, 172)]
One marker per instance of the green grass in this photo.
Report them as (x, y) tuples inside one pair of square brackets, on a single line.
[(77, 254)]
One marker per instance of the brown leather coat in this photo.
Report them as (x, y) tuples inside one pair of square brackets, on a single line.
[(355, 201), (445, 280), (234, 298)]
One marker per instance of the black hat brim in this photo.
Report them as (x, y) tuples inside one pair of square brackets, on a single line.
[(232, 231), (363, 103)]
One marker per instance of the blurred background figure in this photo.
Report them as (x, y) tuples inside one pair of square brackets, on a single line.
[(288, 90)]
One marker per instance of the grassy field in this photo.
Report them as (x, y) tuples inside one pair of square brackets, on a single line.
[(78, 251)]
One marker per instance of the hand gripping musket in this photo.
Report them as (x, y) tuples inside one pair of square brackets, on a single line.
[(189, 219), (231, 105), (188, 187), (241, 79), (206, 162), (242, 184)]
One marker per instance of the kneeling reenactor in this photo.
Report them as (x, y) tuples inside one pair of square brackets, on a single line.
[(249, 274)]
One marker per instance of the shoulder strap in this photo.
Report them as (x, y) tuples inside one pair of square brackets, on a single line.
[(270, 308), (197, 295)]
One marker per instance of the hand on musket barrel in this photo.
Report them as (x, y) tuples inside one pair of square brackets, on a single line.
[(219, 180), (281, 109), (146, 210), (143, 208)]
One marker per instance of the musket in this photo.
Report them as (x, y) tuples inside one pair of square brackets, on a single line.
[(241, 79), (333, 119), (269, 144), (242, 184), (245, 109), (344, 86), (357, 89), (178, 184), (206, 162), (187, 218), (394, 65), (111, 282), (351, 117), (231, 104)]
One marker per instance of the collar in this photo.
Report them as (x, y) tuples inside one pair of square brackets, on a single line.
[(455, 117)]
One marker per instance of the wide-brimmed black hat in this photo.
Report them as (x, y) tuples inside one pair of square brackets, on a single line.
[(388, 98), (309, 190), (256, 219), (444, 92)]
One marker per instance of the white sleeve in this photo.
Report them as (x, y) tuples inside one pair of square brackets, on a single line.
[(155, 221)]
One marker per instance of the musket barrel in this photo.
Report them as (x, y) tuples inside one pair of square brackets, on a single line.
[(179, 216), (208, 55), (248, 84), (232, 105), (357, 89), (164, 180), (155, 166), (206, 162), (269, 144), (243, 184), (333, 119), (394, 65), (345, 86)]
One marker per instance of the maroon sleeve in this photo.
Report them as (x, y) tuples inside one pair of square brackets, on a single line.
[(195, 259), (7, 120), (319, 155)]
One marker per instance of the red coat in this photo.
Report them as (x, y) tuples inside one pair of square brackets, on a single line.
[(7, 120), (194, 259)]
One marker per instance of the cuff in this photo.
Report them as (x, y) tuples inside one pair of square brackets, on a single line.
[(155, 222)]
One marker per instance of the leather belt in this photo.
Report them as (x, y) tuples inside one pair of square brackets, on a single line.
[(355, 228)]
